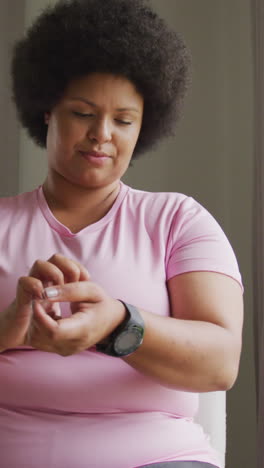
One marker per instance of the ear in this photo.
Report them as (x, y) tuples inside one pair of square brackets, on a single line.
[(47, 117)]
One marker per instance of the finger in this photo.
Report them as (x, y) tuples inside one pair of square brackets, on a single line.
[(61, 330), (42, 319), (56, 311), (82, 291), (47, 272), (28, 288), (72, 270), (53, 309)]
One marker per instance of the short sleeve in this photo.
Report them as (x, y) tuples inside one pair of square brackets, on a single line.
[(197, 243)]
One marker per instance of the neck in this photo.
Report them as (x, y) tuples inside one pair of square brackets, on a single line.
[(76, 206)]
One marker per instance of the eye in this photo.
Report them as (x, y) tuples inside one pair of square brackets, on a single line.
[(82, 115), (123, 122)]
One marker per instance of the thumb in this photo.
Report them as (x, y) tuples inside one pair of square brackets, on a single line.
[(80, 291)]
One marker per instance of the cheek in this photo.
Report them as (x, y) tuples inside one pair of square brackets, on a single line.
[(65, 137), (129, 142), (54, 133)]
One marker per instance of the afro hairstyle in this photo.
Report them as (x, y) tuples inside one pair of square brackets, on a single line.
[(124, 37)]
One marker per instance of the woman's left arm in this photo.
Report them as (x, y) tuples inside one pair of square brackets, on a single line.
[(198, 348)]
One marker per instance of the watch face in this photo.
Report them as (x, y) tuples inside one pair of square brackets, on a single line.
[(128, 341)]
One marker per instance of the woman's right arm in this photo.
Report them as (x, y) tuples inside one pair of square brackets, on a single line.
[(15, 320)]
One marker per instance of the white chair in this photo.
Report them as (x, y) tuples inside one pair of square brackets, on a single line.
[(212, 417)]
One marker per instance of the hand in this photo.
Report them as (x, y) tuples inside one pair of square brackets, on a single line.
[(15, 321), (95, 316)]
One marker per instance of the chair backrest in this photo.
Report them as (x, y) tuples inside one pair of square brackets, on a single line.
[(212, 417)]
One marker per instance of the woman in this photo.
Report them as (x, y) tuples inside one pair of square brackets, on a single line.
[(141, 291)]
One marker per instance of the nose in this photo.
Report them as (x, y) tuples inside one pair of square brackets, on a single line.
[(100, 130)]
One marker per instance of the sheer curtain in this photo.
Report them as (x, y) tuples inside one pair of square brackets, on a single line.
[(11, 27), (258, 220)]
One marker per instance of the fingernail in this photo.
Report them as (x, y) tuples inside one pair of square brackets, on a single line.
[(51, 292)]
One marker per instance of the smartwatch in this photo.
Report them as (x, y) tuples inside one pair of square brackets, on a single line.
[(127, 337)]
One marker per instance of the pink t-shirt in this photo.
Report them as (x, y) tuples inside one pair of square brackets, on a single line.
[(89, 409)]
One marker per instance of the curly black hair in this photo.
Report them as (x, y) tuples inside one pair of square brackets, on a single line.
[(123, 37)]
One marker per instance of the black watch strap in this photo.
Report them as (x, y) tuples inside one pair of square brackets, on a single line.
[(133, 324)]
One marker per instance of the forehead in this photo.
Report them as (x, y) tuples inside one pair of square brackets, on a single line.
[(104, 88)]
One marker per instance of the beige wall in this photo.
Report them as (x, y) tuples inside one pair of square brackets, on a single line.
[(11, 27), (33, 164), (210, 158)]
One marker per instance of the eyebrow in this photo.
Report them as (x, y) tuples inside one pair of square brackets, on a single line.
[(120, 109)]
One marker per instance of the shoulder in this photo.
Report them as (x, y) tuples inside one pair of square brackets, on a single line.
[(155, 201), (179, 217), (172, 207), (23, 202), (194, 239)]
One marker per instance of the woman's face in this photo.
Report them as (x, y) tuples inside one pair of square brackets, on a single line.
[(93, 130)]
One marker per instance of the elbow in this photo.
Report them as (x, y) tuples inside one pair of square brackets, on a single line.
[(223, 380), (226, 381), (227, 376)]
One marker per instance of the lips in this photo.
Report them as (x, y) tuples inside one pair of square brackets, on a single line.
[(95, 158), (94, 154)]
